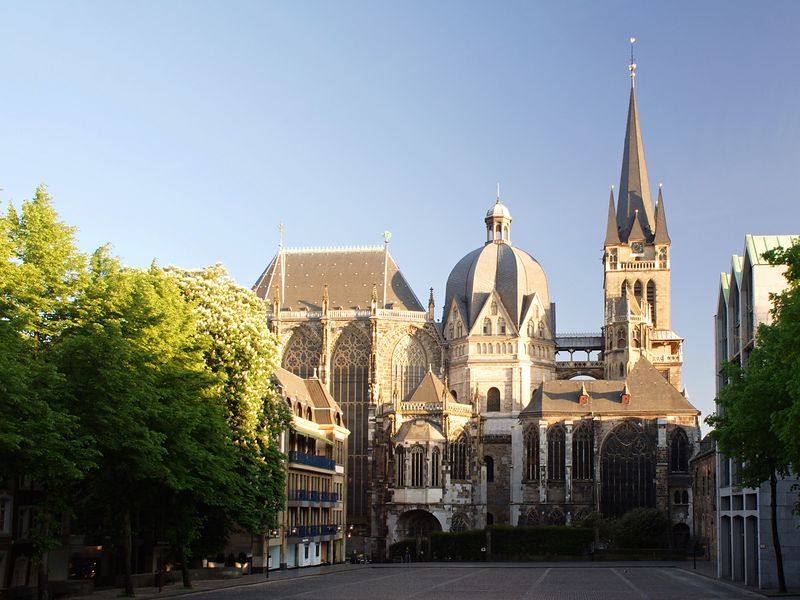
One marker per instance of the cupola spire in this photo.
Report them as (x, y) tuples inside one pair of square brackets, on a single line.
[(612, 234), (498, 222)]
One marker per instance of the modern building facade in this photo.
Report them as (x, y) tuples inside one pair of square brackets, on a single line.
[(745, 549), (475, 419)]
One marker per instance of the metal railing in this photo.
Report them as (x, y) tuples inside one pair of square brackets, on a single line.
[(322, 462)]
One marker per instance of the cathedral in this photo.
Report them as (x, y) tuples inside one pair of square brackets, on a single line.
[(480, 418)]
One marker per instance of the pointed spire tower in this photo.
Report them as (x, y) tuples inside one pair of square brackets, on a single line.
[(634, 187), (636, 264)]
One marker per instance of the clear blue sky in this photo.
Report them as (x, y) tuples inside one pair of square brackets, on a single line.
[(185, 131)]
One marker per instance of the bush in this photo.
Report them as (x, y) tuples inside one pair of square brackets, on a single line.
[(521, 543), (512, 543), (642, 528), (398, 549), (460, 545)]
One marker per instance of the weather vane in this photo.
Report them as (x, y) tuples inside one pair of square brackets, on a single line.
[(632, 66)]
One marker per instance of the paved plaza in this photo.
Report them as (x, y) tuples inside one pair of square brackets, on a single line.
[(466, 581)]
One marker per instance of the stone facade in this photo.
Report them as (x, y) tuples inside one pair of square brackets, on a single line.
[(473, 420)]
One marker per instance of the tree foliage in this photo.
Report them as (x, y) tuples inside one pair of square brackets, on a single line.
[(133, 396)]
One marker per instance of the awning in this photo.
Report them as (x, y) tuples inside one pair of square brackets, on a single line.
[(311, 432)]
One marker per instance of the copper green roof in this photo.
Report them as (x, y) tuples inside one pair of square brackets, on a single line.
[(757, 245)]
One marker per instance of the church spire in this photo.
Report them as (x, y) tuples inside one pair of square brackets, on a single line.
[(612, 234), (662, 234), (634, 187)]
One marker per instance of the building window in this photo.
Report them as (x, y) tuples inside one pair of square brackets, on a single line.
[(302, 352), (459, 456), (489, 461), (627, 469), (5, 515), (501, 326), (679, 452), (493, 400), (651, 301), (409, 364), (612, 259), (621, 338), (637, 292), (662, 258), (400, 466), (556, 441), (435, 466), (460, 523), (623, 290), (487, 326), (582, 453), (532, 453), (417, 467)]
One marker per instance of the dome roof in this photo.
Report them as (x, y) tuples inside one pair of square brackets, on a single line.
[(512, 272), (498, 210)]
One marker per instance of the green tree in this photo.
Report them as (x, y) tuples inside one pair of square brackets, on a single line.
[(41, 274), (243, 353), (138, 382)]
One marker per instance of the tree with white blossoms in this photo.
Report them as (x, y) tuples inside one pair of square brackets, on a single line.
[(243, 354)]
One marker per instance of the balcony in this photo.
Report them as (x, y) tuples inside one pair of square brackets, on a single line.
[(311, 460), (310, 497), (325, 532)]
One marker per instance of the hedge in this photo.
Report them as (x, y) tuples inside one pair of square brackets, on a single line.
[(512, 543)]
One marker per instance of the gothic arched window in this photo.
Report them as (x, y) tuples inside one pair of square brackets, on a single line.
[(662, 258), (582, 453), (556, 441), (408, 366), (436, 462), (623, 291), (679, 452), (489, 462), (530, 328), (417, 467), (627, 469), (349, 385), (460, 522), (637, 292), (400, 466), (493, 400), (531, 517), (621, 338), (651, 300), (487, 326), (302, 352), (541, 329), (532, 453), (501, 326), (459, 458)]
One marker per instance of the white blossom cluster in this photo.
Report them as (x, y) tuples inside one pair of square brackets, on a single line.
[(242, 351)]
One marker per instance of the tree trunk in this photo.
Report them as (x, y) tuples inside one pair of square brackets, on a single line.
[(127, 543), (187, 581), (776, 542), (42, 578)]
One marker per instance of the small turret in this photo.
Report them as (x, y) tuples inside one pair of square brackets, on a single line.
[(431, 306)]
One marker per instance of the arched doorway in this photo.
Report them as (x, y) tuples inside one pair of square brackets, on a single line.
[(680, 535), (628, 469), (418, 525)]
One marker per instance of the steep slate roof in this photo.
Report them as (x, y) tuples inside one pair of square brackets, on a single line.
[(349, 273), (310, 391), (418, 430), (757, 245), (612, 234), (662, 234), (430, 389), (634, 186), (650, 394)]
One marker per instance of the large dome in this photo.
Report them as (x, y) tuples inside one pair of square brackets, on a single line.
[(514, 273)]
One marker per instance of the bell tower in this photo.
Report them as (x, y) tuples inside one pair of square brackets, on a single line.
[(636, 268)]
